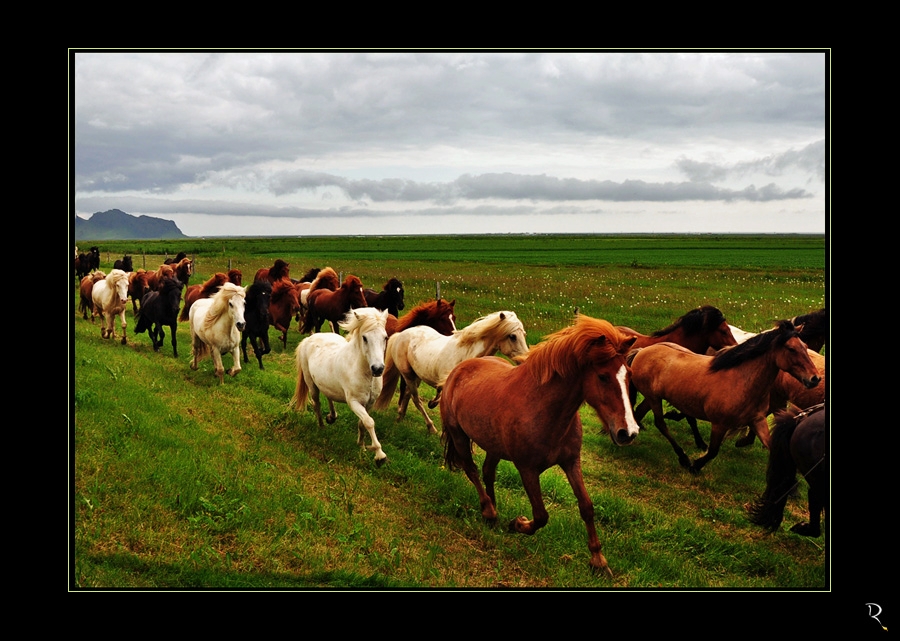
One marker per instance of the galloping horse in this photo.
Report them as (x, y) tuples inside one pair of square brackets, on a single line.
[(422, 354), (389, 298), (530, 415), (346, 370), (698, 330), (206, 290), (216, 325), (277, 271), (86, 263), (138, 285), (256, 317), (730, 389), (110, 295), (437, 314), (84, 289), (283, 305), (326, 305), (323, 279), (158, 309), (124, 264), (797, 445)]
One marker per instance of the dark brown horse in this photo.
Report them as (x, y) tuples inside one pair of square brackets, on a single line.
[(389, 298), (256, 319), (284, 305), (324, 279), (813, 328), (138, 285), (730, 390), (332, 306), (530, 415), (798, 445), (158, 310)]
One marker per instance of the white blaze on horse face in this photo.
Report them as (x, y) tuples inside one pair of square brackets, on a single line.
[(631, 424)]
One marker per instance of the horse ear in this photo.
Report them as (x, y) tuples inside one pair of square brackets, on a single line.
[(502, 316), (625, 345)]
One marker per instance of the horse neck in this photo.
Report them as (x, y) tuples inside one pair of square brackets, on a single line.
[(697, 343), (565, 396), (756, 376)]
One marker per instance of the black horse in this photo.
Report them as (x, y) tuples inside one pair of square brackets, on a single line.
[(389, 298), (813, 328), (124, 264), (256, 318), (86, 263), (159, 308), (797, 445)]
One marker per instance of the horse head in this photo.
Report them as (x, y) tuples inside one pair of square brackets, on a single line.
[(792, 356), (366, 327), (119, 282)]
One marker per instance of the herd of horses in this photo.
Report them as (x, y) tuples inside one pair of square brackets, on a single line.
[(699, 367)]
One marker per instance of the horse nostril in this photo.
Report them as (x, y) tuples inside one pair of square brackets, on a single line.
[(377, 370), (240, 326)]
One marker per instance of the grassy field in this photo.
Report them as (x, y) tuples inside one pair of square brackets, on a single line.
[(181, 483)]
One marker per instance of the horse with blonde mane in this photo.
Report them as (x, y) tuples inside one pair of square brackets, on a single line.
[(216, 326), (110, 296), (530, 415), (346, 370), (423, 354)]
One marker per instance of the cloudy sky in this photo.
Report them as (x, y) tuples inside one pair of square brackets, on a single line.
[(279, 143)]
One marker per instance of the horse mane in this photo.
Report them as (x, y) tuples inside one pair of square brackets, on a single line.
[(220, 302), (813, 327), (360, 321), (695, 321), (428, 309), (309, 276), (167, 284), (351, 282), (565, 352), (210, 287), (491, 327), (260, 286), (326, 279), (754, 347), (115, 276), (279, 270), (280, 289)]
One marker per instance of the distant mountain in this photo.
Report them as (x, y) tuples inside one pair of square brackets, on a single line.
[(117, 225)]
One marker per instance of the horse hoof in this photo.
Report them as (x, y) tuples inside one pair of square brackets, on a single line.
[(380, 461), (746, 441), (432, 404), (330, 419)]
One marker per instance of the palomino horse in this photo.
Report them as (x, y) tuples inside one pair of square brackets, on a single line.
[(207, 290), (283, 305), (797, 445), (326, 305), (529, 415), (158, 309), (730, 390), (389, 298), (110, 295), (256, 316), (346, 370), (216, 325), (422, 354)]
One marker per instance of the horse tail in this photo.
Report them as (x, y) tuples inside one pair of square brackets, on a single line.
[(452, 458), (781, 474), (389, 379), (298, 402), (630, 356)]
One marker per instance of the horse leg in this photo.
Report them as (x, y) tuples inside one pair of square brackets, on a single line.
[(531, 481), (367, 422), (236, 358), (586, 509), (417, 401), (124, 324), (317, 405), (332, 415), (717, 434), (173, 328), (816, 501), (437, 398), (489, 472), (244, 345), (660, 422), (698, 439), (747, 440)]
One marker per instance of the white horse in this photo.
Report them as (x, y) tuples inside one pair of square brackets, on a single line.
[(109, 297), (345, 369), (422, 354), (216, 326)]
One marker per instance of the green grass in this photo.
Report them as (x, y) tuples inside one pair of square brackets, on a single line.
[(182, 483)]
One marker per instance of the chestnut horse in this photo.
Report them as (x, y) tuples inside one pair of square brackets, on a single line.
[(422, 354), (530, 415), (797, 445), (283, 305), (256, 318), (730, 390), (389, 298), (326, 305), (138, 285), (84, 290), (277, 271), (323, 279), (437, 314)]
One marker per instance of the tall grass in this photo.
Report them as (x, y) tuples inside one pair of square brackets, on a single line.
[(180, 482)]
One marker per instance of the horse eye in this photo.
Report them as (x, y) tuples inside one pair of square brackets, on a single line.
[(365, 340), (512, 337), (604, 378)]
